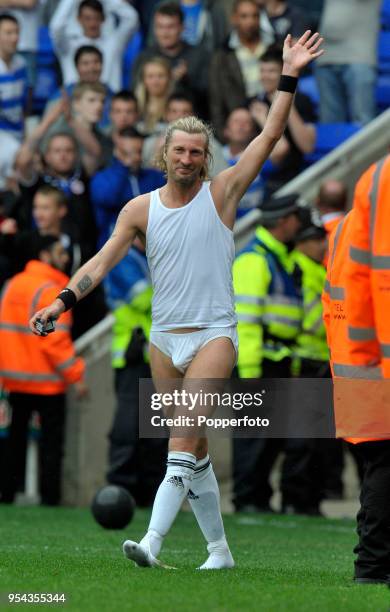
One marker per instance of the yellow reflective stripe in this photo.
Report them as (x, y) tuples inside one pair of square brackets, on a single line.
[(66, 364), (353, 371), (247, 318), (316, 301), (385, 348), (360, 256), (380, 262), (14, 327), (337, 293), (316, 325), (24, 329), (336, 241), (374, 197), (361, 333), (327, 286), (282, 300), (30, 376), (37, 296), (284, 320), (248, 299)]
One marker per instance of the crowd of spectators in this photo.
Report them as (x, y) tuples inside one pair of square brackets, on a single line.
[(98, 137)]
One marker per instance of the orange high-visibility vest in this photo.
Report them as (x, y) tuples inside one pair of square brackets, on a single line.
[(330, 221), (351, 371), (29, 363), (368, 270)]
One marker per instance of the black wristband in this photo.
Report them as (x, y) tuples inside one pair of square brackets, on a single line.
[(287, 83), (68, 297)]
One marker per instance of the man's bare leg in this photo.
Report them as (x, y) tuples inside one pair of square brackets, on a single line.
[(175, 485), (215, 360)]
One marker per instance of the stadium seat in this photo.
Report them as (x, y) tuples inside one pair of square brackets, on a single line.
[(47, 77), (330, 136), (384, 52), (383, 92), (308, 86), (385, 15), (132, 50)]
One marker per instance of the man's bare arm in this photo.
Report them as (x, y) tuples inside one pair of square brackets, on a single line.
[(303, 134), (130, 221), (231, 184)]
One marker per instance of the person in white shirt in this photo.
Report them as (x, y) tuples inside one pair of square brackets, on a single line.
[(13, 80), (27, 14), (107, 25)]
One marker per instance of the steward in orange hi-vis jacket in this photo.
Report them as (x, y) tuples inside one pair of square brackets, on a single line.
[(347, 364), (36, 372), (365, 396), (28, 365)]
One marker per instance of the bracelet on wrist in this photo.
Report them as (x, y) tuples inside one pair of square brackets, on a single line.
[(68, 297), (287, 83)]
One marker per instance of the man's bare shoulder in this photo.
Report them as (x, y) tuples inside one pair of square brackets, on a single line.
[(137, 211), (139, 203)]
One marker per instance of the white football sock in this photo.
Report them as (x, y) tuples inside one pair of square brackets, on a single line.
[(169, 498), (204, 499)]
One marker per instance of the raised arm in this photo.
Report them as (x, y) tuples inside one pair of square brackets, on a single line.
[(131, 219), (229, 186), (127, 19), (64, 16)]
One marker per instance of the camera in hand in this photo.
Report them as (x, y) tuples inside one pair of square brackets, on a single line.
[(45, 328)]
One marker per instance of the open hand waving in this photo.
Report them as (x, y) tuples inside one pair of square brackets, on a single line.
[(297, 56)]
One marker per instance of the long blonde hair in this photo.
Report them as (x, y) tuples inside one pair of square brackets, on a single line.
[(189, 125), (143, 98)]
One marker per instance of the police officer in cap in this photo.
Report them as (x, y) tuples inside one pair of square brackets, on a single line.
[(270, 313), (311, 351)]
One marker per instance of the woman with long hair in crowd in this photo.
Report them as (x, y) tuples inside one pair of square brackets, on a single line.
[(152, 92)]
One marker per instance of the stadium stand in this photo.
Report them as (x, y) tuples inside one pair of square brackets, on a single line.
[(329, 137)]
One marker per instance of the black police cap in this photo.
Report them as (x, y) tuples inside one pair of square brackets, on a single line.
[(278, 207), (311, 225)]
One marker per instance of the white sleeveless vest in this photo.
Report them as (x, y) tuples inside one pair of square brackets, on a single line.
[(190, 253)]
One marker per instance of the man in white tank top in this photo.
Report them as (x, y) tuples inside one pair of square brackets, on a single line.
[(187, 226)]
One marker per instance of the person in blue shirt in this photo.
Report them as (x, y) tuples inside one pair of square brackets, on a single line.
[(122, 181), (13, 80), (205, 23)]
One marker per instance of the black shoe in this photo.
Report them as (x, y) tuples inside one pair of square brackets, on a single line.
[(379, 580)]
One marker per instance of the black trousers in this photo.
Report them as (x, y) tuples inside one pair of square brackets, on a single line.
[(254, 458), (136, 464), (373, 518), (329, 451), (51, 409)]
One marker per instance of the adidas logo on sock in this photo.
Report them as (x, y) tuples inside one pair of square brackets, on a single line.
[(191, 495), (177, 481)]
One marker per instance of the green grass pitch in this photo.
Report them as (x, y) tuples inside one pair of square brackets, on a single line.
[(283, 564)]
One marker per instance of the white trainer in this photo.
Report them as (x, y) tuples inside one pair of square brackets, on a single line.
[(142, 556), (220, 557)]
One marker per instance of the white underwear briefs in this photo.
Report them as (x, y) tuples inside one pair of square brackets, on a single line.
[(182, 348)]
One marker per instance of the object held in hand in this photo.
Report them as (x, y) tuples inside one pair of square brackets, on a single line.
[(45, 328)]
